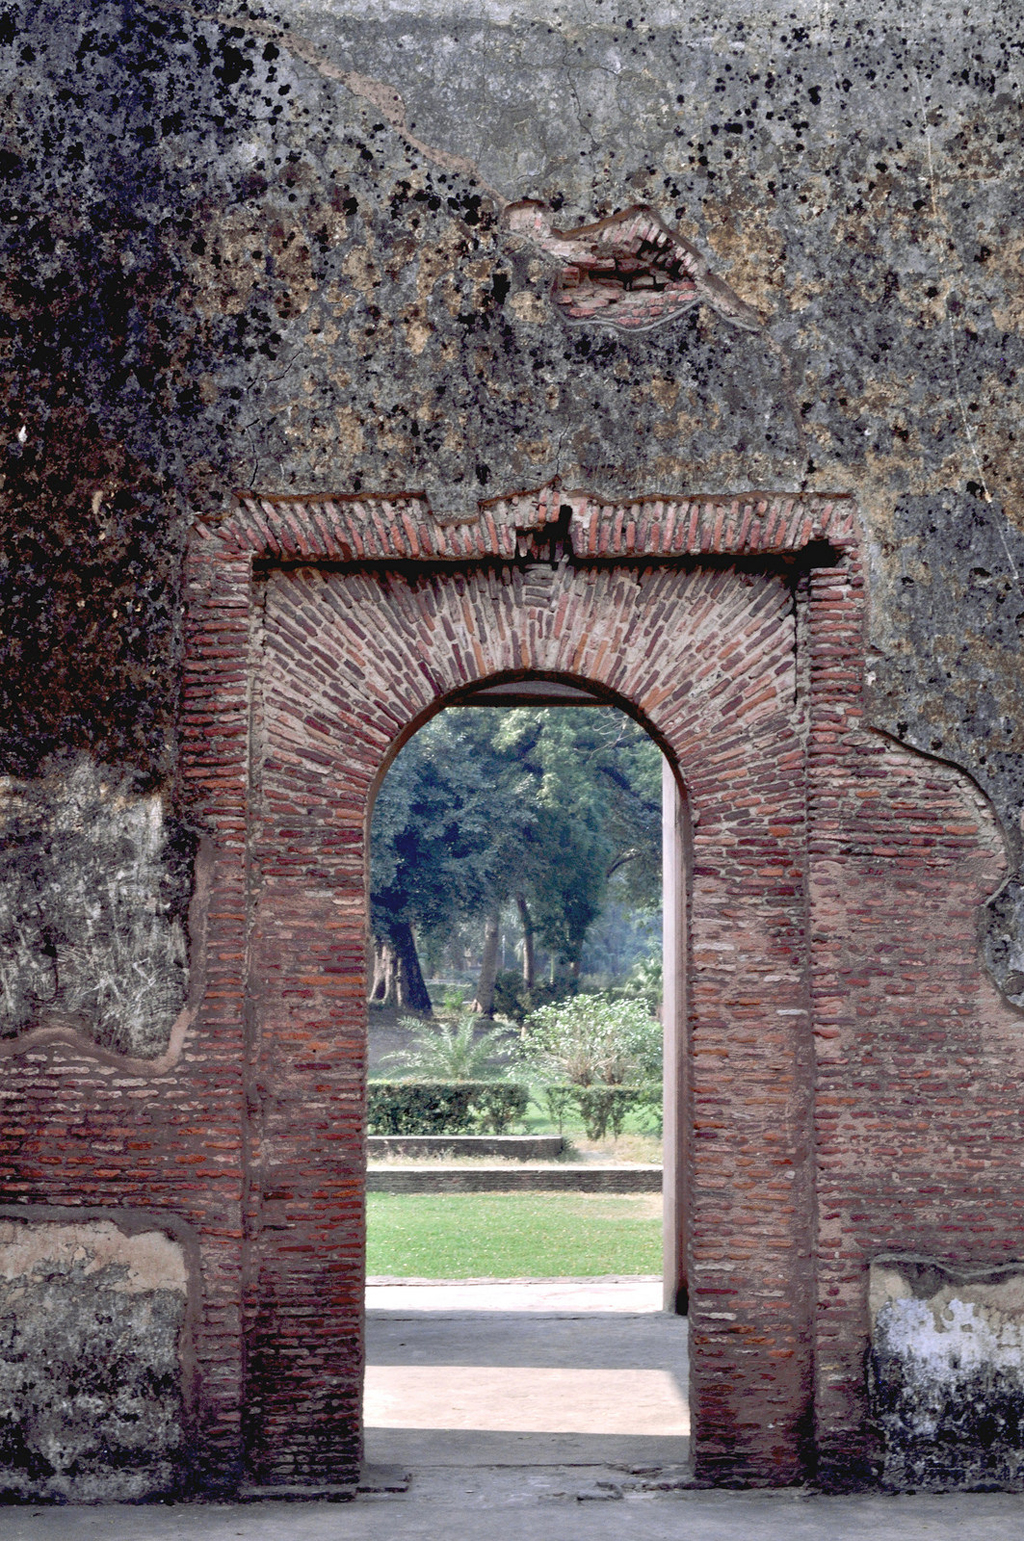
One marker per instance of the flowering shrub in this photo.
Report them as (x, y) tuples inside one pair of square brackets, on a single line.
[(592, 1040)]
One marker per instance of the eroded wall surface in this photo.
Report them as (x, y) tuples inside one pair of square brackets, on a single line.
[(94, 888), (947, 1365), (93, 1381), (271, 250)]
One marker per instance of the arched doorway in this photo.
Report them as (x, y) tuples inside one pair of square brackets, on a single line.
[(524, 803), (536, 690), (356, 627)]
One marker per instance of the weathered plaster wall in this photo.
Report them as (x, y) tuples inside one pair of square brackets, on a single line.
[(93, 1384), (947, 1374), (265, 249), (94, 889)]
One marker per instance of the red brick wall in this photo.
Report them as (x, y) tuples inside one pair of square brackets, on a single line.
[(918, 1126), (851, 1072)]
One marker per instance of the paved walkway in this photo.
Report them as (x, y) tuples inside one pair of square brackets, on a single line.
[(561, 1297), (547, 1372), (541, 1505), (547, 1411)]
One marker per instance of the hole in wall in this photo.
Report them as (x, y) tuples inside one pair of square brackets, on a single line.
[(629, 271)]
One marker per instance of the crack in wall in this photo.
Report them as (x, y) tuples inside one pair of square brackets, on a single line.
[(378, 93)]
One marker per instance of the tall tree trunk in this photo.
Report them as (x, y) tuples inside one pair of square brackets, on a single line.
[(483, 1005), (412, 992), (385, 963), (529, 959)]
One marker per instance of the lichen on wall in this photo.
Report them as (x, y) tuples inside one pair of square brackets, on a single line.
[(947, 1374), (263, 247), (94, 885), (92, 1403)]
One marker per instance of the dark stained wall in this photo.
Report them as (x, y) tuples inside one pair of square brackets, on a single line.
[(227, 267), (263, 248)]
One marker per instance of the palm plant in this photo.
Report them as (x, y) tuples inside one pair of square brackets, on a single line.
[(454, 1052)]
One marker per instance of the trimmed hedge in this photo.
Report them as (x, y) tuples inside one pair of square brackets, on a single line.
[(444, 1107), (602, 1108)]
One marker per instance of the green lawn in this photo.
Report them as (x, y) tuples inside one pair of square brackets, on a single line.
[(512, 1235)]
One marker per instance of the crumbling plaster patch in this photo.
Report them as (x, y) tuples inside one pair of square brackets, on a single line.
[(947, 1374), (93, 1360), (95, 884), (147, 1260)]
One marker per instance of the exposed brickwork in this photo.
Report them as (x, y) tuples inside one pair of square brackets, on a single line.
[(919, 1058), (629, 271), (404, 529), (833, 893)]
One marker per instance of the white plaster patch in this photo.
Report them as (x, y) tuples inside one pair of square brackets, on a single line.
[(152, 1260), (948, 1340)]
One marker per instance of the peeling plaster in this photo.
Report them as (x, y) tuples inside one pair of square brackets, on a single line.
[(947, 1374), (146, 1260)]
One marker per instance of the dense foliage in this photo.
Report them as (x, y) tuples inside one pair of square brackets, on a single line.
[(597, 1056), (540, 808), (444, 1107), (593, 1040)]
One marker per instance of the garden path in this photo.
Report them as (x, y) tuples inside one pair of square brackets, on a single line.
[(558, 1371)]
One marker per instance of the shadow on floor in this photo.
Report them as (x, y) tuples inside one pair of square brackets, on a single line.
[(499, 1387)]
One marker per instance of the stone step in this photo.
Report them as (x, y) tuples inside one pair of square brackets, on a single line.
[(517, 1147), (635, 1178)]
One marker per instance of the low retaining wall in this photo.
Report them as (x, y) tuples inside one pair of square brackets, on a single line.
[(518, 1147), (499, 1179)]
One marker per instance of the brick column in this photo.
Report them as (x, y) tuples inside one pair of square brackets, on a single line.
[(751, 1187), (215, 770)]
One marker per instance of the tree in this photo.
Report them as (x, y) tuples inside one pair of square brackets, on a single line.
[(483, 808), (430, 854), (603, 767)]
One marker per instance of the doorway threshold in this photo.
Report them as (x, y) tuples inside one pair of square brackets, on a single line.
[(509, 1373)]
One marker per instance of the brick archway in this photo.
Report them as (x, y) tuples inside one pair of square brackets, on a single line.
[(361, 622), (321, 635)]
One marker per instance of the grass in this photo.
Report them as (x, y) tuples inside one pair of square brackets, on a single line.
[(621, 1147), (512, 1235)]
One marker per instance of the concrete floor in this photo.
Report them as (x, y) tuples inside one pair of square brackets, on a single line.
[(592, 1447), (547, 1373), (541, 1504)]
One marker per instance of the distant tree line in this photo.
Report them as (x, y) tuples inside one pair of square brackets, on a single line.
[(485, 809)]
